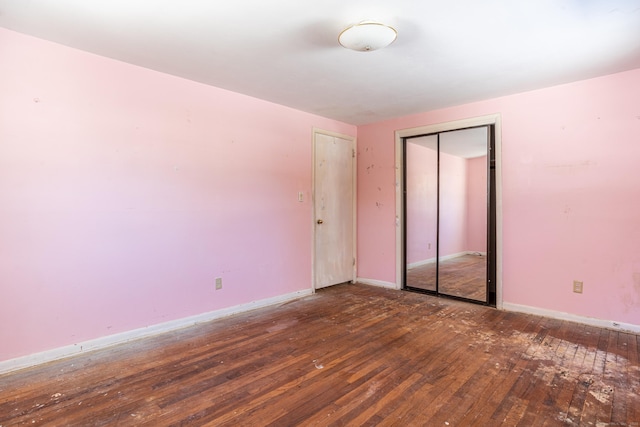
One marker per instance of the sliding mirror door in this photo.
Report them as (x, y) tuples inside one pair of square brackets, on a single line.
[(446, 196), (421, 212), (462, 255)]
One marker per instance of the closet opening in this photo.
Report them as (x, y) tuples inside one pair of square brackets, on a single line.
[(449, 213)]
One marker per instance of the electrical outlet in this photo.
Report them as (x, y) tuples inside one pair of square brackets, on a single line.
[(218, 283), (577, 286)]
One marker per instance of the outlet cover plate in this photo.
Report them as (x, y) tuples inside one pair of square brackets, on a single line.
[(577, 286)]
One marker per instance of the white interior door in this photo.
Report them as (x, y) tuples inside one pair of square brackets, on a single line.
[(334, 166)]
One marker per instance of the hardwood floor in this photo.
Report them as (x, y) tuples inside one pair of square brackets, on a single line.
[(464, 276), (348, 355)]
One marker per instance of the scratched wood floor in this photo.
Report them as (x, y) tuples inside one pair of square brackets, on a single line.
[(348, 355)]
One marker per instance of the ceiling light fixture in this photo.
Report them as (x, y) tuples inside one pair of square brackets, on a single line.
[(367, 36)]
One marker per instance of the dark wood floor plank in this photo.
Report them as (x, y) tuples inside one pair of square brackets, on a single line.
[(617, 375), (556, 377), (586, 375), (450, 406), (633, 377), (348, 355), (595, 401), (508, 365), (536, 367), (567, 379)]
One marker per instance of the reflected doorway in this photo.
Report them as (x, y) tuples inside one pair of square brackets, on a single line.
[(449, 208)]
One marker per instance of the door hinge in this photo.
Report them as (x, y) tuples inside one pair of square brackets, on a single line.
[(353, 152), (354, 261)]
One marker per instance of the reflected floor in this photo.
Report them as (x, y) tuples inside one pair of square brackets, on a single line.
[(464, 276)]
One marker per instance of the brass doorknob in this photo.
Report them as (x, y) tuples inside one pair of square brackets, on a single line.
[(320, 221)]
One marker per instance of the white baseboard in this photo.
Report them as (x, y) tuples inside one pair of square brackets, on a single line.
[(610, 324), (421, 263), (443, 258), (379, 283), (123, 337)]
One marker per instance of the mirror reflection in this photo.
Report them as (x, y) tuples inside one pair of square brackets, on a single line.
[(421, 223), (446, 213)]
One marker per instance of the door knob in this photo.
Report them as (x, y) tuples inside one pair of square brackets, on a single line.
[(320, 221)]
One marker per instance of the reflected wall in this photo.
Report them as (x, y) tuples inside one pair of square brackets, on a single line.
[(421, 185)]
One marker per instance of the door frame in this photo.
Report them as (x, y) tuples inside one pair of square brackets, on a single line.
[(491, 119), (354, 173)]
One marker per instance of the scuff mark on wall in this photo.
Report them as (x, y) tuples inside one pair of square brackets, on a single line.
[(631, 298), (585, 163), (636, 281)]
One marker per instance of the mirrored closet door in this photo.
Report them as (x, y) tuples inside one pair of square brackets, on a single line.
[(447, 214)]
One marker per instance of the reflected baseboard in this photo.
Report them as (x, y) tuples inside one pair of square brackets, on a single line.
[(444, 258), (421, 263)]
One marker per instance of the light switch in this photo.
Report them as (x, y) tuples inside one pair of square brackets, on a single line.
[(300, 196)]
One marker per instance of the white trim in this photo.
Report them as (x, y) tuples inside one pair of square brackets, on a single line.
[(399, 210), (354, 197), (491, 119), (421, 263), (355, 207), (378, 283), (149, 331), (592, 321), (444, 258)]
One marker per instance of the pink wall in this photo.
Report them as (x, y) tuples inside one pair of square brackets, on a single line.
[(124, 192), (476, 226), (570, 193)]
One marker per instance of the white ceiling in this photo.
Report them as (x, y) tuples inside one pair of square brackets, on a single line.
[(286, 51)]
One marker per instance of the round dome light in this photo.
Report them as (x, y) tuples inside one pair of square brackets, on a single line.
[(367, 36)]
